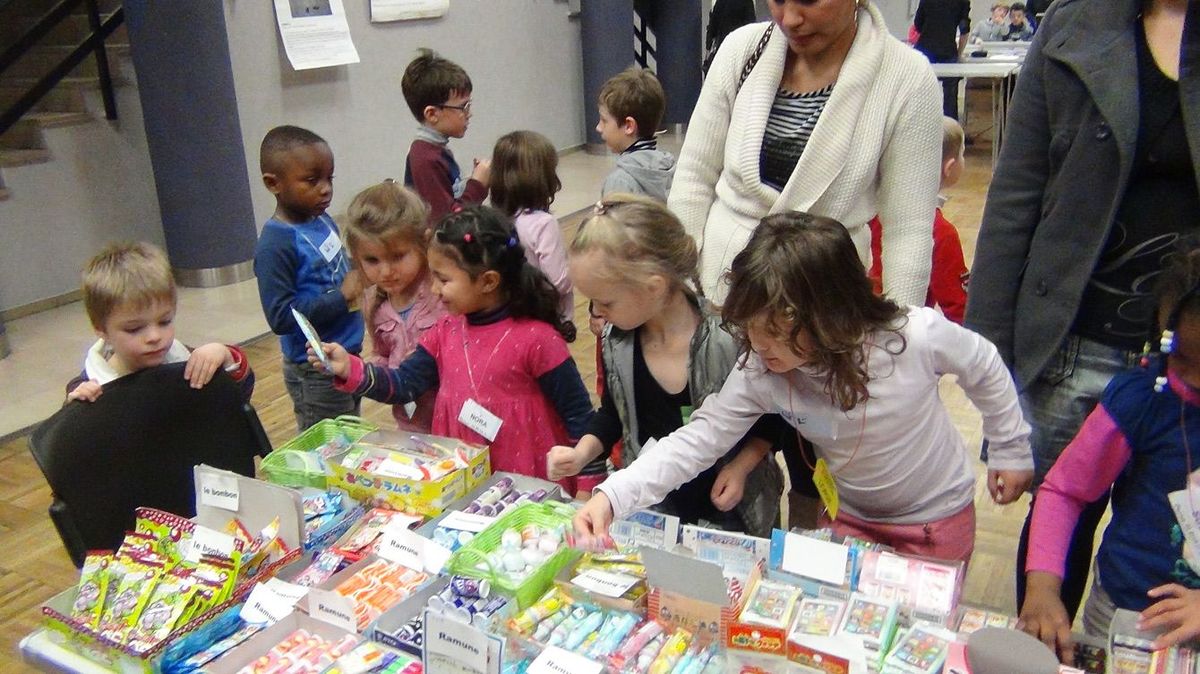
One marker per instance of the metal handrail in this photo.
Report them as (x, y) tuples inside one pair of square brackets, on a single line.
[(92, 44)]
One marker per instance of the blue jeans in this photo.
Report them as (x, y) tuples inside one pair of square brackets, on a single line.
[(313, 396), (1056, 405)]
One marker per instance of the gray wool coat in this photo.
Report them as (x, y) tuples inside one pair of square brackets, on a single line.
[(1063, 169)]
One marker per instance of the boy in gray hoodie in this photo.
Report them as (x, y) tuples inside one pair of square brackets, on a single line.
[(631, 107)]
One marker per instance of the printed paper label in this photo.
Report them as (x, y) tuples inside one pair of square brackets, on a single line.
[(555, 660), (264, 605), (219, 491), (455, 641), (605, 583), (461, 521), (333, 608), (402, 547)]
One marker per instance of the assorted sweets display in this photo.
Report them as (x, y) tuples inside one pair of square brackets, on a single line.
[(494, 584)]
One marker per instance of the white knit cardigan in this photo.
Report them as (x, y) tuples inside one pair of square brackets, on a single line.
[(876, 149)]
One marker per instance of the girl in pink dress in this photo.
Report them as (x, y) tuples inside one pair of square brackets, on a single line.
[(386, 236), (499, 362)]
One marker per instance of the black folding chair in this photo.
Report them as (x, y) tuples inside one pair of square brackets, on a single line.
[(136, 446)]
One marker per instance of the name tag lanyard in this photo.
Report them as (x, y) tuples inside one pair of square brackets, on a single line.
[(487, 363), (823, 477)]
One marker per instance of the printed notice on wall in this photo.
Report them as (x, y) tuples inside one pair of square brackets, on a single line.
[(315, 33), (404, 10)]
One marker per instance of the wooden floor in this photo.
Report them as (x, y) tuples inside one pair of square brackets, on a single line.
[(33, 565)]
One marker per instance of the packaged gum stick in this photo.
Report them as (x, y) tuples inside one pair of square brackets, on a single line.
[(166, 604), (93, 585), (128, 599)]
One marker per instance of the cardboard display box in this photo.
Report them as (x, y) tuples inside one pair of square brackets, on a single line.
[(422, 497)]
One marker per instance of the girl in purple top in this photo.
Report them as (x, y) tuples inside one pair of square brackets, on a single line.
[(524, 182), (386, 235)]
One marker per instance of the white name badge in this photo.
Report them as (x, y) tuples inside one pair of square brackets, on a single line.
[(330, 247), (477, 418)]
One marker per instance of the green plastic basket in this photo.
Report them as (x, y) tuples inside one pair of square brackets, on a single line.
[(467, 560), (296, 464)]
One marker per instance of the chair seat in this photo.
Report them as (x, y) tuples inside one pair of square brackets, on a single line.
[(136, 446)]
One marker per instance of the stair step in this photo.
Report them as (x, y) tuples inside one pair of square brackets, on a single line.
[(37, 8), (39, 60), (71, 31), (10, 158), (58, 99), (52, 120), (26, 134)]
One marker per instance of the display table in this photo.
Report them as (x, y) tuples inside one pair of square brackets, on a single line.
[(40, 651)]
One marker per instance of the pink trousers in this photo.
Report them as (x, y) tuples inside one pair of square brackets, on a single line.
[(951, 538)]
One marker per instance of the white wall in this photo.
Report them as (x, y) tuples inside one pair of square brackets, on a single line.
[(523, 57), (98, 187)]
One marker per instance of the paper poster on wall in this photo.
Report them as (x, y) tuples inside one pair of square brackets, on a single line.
[(404, 10), (315, 33)]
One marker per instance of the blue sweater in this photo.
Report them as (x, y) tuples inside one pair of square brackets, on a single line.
[(292, 272)]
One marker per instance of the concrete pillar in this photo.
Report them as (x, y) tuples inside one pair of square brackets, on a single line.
[(180, 51)]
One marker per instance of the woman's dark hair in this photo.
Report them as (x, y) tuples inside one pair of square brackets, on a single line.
[(481, 239), (803, 271)]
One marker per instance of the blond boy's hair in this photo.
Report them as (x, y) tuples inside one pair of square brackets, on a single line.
[(126, 273), (953, 138), (635, 92)]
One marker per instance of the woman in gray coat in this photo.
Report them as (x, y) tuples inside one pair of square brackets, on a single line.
[(1095, 183)]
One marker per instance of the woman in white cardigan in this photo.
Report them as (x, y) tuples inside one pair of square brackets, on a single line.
[(875, 147)]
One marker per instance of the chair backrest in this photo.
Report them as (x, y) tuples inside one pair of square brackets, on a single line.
[(136, 446)]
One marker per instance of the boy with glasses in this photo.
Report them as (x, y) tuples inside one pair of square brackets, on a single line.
[(438, 93)]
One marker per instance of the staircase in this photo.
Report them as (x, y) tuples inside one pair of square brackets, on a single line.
[(37, 63)]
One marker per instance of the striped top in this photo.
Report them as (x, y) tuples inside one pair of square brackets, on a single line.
[(789, 126)]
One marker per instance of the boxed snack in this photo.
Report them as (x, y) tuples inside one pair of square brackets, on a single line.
[(357, 595), (690, 594), (612, 579), (328, 514), (812, 562), (476, 511), (921, 649), (297, 643), (737, 554), (764, 617), (420, 474), (363, 537), (814, 641), (926, 589)]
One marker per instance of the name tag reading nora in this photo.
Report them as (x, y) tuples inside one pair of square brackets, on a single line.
[(477, 418), (330, 247)]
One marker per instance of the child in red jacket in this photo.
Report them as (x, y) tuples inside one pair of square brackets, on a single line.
[(949, 275)]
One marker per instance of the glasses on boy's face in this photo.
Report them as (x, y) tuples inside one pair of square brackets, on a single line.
[(465, 108)]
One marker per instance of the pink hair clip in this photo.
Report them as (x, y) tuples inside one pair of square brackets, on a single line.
[(467, 238)]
